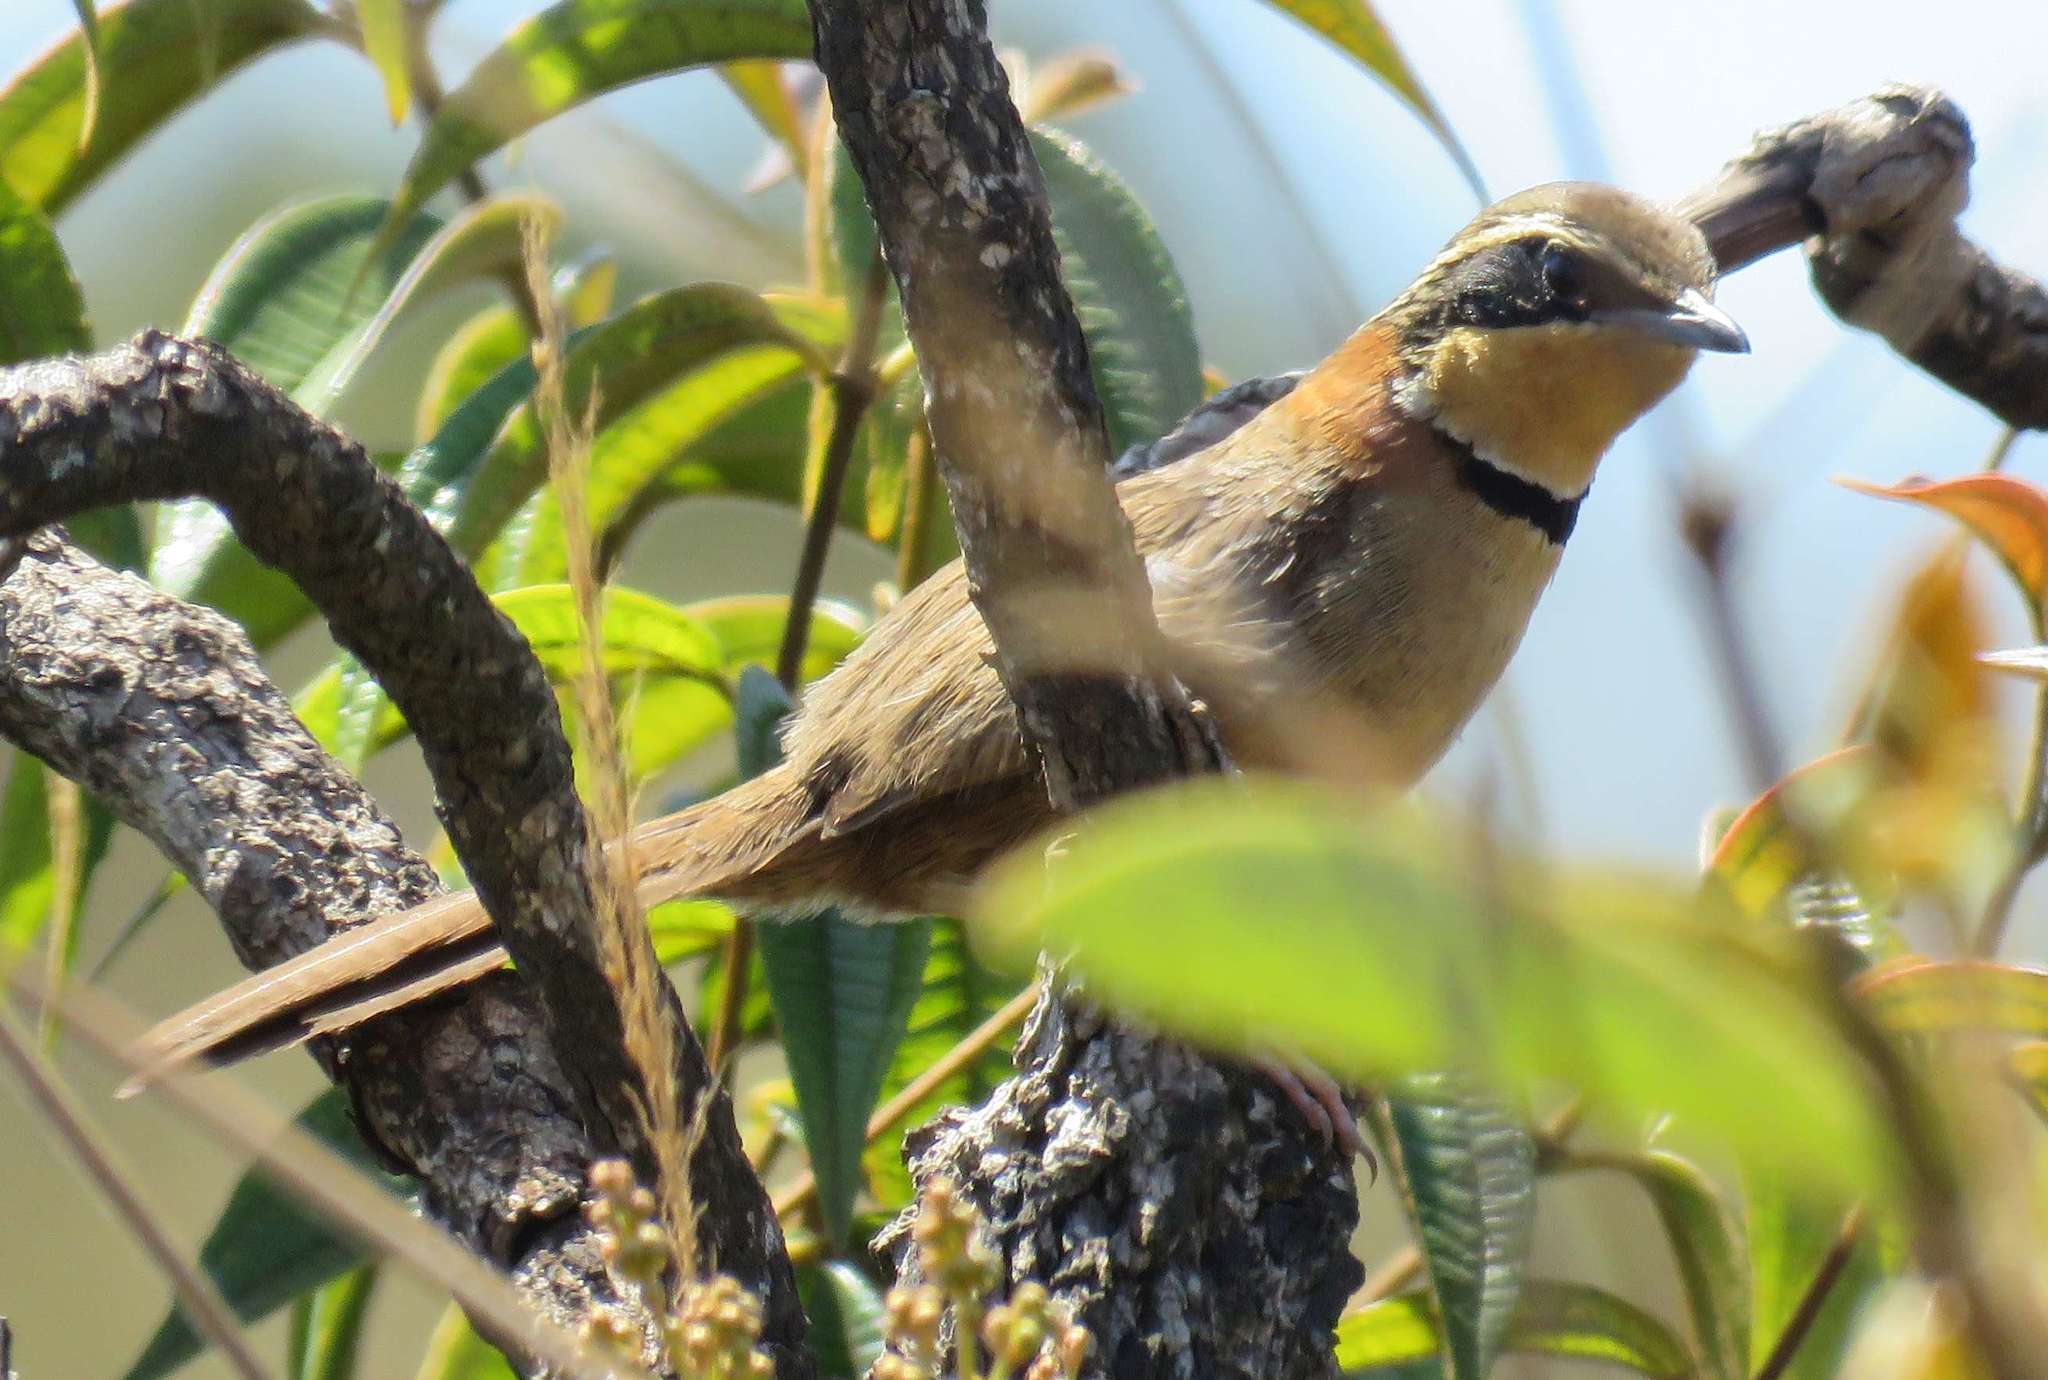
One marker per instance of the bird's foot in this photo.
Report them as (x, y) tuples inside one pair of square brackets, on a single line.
[(1320, 1101)]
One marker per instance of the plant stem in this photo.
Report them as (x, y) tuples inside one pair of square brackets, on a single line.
[(919, 1088), (1708, 525), (201, 1302), (1807, 1313), (920, 494), (852, 387)]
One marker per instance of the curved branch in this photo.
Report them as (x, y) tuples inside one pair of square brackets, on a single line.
[(164, 417), (1875, 187)]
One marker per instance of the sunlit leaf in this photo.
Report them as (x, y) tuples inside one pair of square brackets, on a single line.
[(497, 337), (578, 49), (959, 995), (30, 884), (1070, 84), (489, 457), (1934, 997), (154, 57), (386, 44), (2027, 1064), (1354, 28), (1554, 1319), (846, 1315), (1790, 1233), (842, 992), (42, 310), (266, 1250), (328, 1326), (764, 91), (1706, 1244), (1467, 1169), (2007, 513), (456, 1352), (1393, 963), (89, 30)]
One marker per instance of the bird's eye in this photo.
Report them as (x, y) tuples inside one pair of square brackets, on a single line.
[(1560, 268)]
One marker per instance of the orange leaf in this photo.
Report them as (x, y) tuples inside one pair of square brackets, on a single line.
[(1931, 997), (2006, 513)]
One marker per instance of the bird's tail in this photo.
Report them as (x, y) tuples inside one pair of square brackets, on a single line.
[(726, 846)]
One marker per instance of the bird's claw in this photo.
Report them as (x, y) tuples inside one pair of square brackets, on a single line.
[(1320, 1102)]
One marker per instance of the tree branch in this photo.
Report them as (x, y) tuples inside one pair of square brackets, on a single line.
[(165, 418), (1118, 1167), (1875, 187)]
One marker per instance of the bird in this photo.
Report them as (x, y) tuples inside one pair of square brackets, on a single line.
[(1347, 556)]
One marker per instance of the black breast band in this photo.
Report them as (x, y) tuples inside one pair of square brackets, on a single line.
[(1512, 496)]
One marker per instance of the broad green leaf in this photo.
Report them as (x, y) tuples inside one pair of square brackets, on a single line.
[(842, 992), (1554, 1319), (683, 930), (1924, 996), (265, 1250), (29, 878), (1133, 308), (1353, 27), (1707, 1246), (302, 298), (764, 91), (490, 455), (497, 337), (1393, 963), (327, 1327), (847, 1318), (155, 56), (1467, 1170), (386, 44), (656, 441), (958, 997), (579, 49), (112, 536), (1790, 1233), (2008, 514), (456, 1352), (42, 309)]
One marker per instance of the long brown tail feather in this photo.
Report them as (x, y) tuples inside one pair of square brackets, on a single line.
[(716, 848)]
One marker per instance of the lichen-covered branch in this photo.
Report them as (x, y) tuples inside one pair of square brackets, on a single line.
[(1121, 1169), (161, 709), (164, 417), (1874, 188)]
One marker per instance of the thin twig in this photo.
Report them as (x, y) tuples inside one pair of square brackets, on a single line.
[(1707, 525), (906, 1101), (201, 1302), (1800, 1325)]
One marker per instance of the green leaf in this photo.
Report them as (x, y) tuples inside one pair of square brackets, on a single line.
[(842, 992), (496, 337), (328, 1326), (578, 49), (1791, 1230), (155, 56), (1467, 1170), (764, 91), (1707, 1246), (265, 1250), (42, 309), (386, 44), (959, 995), (1353, 27), (490, 455), (658, 441), (1554, 1319), (847, 1318), (1394, 960), (28, 867), (1133, 308), (303, 298), (456, 1352), (89, 29)]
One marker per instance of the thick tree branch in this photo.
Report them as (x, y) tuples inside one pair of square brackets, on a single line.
[(1874, 187), (1118, 1168), (163, 418)]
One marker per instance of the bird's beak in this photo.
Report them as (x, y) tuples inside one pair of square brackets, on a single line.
[(1691, 320)]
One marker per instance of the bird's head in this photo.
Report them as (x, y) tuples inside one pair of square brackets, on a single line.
[(1553, 321)]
